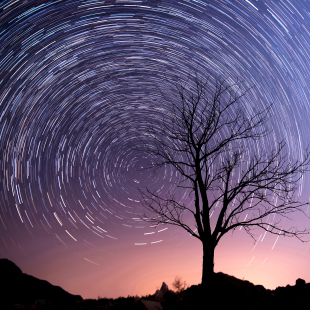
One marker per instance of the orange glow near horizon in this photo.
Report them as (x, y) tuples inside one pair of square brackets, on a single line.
[(140, 270)]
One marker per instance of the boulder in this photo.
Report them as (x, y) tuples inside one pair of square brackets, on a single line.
[(164, 288), (300, 282), (159, 295)]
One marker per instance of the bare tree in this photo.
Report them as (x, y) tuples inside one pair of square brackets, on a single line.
[(207, 139), (179, 285)]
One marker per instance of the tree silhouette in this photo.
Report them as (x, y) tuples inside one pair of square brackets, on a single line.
[(178, 285), (206, 139)]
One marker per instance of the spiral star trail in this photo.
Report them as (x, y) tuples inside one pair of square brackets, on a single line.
[(79, 88)]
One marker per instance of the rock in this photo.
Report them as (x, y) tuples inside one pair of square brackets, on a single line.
[(300, 282), (159, 295), (143, 304), (164, 288)]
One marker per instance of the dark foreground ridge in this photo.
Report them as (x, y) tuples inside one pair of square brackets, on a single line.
[(18, 288), (22, 291)]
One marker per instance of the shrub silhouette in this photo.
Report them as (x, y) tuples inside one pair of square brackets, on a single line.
[(178, 285)]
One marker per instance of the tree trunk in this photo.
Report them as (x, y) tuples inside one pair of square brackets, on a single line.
[(207, 265)]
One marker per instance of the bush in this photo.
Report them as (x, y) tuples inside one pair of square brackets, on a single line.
[(178, 285)]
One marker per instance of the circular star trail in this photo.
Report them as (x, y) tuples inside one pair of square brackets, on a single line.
[(79, 88)]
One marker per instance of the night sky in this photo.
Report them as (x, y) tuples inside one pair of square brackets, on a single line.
[(79, 88)]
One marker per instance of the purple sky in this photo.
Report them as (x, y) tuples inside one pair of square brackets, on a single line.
[(78, 90)]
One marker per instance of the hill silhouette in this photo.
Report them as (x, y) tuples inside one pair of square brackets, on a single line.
[(22, 291), (20, 288)]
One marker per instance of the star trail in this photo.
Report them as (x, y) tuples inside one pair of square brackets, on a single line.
[(79, 88)]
